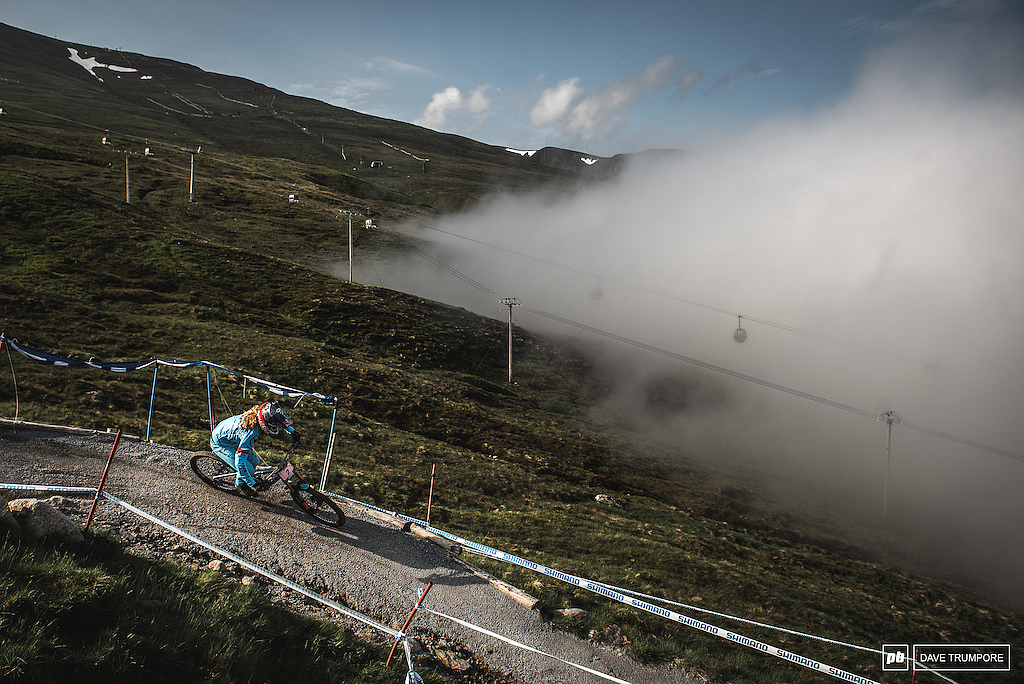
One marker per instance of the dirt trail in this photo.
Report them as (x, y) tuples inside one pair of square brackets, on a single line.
[(368, 565)]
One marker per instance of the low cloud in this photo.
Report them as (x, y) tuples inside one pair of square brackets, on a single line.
[(873, 248)]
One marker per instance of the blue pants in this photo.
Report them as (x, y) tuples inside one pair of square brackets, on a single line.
[(243, 463)]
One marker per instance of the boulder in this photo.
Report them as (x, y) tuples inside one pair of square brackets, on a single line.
[(452, 660), (39, 519), (7, 520)]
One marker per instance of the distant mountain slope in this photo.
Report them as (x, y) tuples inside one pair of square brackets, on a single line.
[(592, 165), (571, 160), (143, 100), (165, 101)]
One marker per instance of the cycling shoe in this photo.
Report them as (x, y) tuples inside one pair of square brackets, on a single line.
[(246, 490)]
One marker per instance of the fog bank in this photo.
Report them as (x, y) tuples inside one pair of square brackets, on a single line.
[(874, 250)]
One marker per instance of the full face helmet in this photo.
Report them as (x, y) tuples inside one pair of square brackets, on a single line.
[(272, 418)]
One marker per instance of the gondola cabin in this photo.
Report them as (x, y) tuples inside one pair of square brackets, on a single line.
[(740, 335)]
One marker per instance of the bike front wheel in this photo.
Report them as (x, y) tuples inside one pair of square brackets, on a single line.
[(213, 471), (318, 505)]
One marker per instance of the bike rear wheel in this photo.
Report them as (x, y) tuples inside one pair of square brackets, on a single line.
[(318, 505), (213, 471)]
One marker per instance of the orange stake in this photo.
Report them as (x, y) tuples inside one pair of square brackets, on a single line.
[(401, 633), (103, 479)]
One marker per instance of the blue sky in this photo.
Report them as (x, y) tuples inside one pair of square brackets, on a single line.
[(603, 77)]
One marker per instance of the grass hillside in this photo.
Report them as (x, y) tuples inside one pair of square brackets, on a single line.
[(235, 277)]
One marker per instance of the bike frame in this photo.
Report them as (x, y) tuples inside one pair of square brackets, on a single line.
[(267, 475), (314, 502)]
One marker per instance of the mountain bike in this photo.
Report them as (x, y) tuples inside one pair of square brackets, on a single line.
[(219, 475)]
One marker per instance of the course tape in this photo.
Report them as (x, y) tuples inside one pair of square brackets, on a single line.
[(512, 642), (255, 568), (394, 633), (44, 488), (755, 644), (286, 582), (619, 595), (128, 366), (599, 588), (754, 623)]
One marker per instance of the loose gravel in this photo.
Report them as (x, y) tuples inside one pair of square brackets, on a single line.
[(368, 565)]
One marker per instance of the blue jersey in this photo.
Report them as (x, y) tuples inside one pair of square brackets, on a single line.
[(232, 437)]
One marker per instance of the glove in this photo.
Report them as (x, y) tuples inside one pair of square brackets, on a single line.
[(296, 437)]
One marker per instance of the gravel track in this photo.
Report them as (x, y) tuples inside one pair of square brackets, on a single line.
[(368, 565)]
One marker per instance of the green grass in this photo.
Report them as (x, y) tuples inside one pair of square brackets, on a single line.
[(237, 278), (93, 612)]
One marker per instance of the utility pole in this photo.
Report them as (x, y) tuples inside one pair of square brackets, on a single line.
[(349, 243), (192, 173), (510, 302), (889, 417), (127, 181)]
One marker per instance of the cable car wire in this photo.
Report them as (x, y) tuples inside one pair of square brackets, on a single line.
[(683, 300), (407, 242), (718, 369), (703, 364), (642, 345), (962, 440)]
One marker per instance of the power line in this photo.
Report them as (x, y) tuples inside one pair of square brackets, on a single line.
[(703, 364), (963, 440), (683, 300), (718, 369), (441, 264), (620, 338), (773, 385)]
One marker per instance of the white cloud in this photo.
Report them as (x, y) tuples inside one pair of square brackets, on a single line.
[(554, 102), (395, 66), (356, 92), (687, 82), (478, 102), (609, 107), (440, 104), (745, 70), (582, 114), (366, 86), (451, 102)]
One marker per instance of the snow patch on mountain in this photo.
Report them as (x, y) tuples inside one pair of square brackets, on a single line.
[(90, 64)]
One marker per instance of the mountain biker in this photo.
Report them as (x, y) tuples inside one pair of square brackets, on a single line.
[(233, 439)]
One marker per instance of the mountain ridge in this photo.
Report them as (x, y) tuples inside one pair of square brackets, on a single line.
[(169, 87)]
